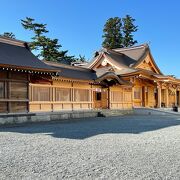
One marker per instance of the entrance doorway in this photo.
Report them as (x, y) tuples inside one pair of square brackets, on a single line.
[(156, 97), (101, 99)]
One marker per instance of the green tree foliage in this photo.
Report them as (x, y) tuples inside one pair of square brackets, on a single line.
[(112, 33), (128, 29), (45, 47), (118, 33), (9, 35), (81, 58)]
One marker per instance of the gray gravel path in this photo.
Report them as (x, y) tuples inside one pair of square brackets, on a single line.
[(128, 147)]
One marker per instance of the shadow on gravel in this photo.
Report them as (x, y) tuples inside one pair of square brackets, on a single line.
[(81, 129)]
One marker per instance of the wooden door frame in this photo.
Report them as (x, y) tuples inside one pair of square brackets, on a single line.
[(143, 97), (106, 98)]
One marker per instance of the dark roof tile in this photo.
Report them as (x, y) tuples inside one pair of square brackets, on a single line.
[(73, 72), (134, 53), (16, 53)]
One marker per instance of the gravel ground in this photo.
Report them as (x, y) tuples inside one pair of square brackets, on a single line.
[(128, 147)]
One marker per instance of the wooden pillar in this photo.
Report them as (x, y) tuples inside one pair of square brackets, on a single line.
[(8, 92), (178, 98), (159, 97), (123, 99), (110, 98), (53, 97), (167, 97), (175, 97), (28, 92), (72, 95), (133, 96)]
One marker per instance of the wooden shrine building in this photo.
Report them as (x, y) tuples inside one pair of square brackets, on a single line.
[(114, 79), (150, 87), (17, 67)]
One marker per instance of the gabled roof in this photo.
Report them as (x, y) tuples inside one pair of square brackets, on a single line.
[(129, 57), (16, 54), (119, 58), (135, 53)]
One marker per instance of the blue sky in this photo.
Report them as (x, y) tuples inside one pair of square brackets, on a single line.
[(78, 24)]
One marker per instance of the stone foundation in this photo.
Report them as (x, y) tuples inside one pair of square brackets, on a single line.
[(10, 119)]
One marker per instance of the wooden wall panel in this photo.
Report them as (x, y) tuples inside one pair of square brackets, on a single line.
[(62, 84), (3, 74), (18, 107), (18, 76), (18, 90), (76, 106), (57, 107), (85, 106), (120, 97), (13, 91), (67, 106), (81, 85), (34, 107), (3, 107), (2, 90), (46, 107)]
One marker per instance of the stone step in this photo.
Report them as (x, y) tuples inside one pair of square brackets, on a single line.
[(109, 113)]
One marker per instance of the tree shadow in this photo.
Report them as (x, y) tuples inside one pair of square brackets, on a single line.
[(81, 129)]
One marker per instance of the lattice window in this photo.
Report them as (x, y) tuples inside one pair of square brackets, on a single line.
[(63, 94), (41, 94), (127, 97), (137, 93), (81, 95), (117, 96)]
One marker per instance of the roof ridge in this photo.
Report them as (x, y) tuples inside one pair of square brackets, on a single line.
[(57, 64), (112, 50), (12, 41), (131, 48)]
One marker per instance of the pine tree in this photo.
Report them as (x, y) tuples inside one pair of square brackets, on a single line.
[(128, 29), (119, 33), (9, 35), (81, 58), (112, 33), (45, 47)]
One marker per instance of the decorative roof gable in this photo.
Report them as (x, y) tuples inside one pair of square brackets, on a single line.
[(137, 57)]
